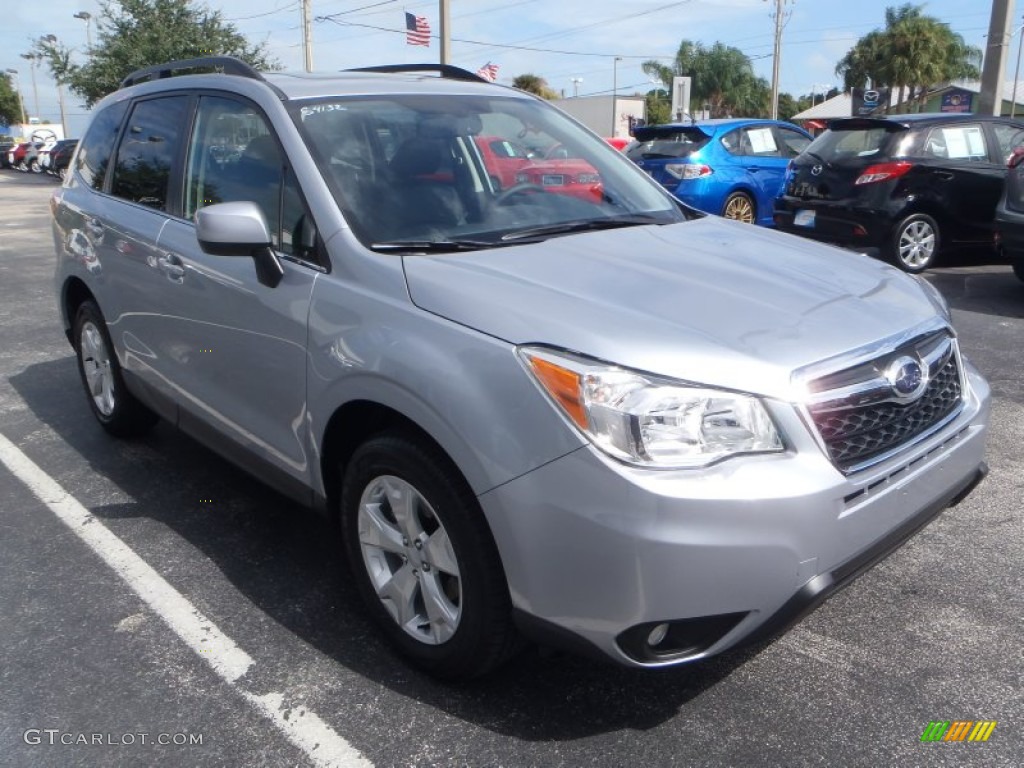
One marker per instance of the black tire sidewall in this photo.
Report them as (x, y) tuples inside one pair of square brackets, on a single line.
[(894, 242), (484, 601), (128, 417)]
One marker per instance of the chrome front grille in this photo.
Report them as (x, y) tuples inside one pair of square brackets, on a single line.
[(862, 419)]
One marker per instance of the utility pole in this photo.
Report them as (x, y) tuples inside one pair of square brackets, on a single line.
[(444, 12), (780, 22), (615, 93), (33, 58), (990, 101), (307, 33), (21, 96)]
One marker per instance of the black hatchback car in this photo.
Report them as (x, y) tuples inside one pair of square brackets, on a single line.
[(909, 185)]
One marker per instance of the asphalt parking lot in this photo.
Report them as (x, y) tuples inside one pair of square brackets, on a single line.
[(932, 633)]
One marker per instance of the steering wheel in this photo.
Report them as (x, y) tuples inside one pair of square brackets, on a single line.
[(517, 189)]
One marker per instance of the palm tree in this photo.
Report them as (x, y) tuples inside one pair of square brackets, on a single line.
[(722, 77), (910, 54)]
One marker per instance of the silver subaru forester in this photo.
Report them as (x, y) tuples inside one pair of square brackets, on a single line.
[(541, 397)]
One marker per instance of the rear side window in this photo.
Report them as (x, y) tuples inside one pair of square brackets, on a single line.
[(793, 142), (1009, 137), (98, 144), (148, 150), (956, 142)]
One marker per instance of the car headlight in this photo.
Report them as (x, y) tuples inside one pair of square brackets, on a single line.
[(650, 421)]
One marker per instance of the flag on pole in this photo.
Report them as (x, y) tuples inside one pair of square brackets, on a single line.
[(417, 30), (488, 71)]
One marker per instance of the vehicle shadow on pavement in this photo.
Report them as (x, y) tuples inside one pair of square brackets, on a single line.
[(993, 290), (287, 561)]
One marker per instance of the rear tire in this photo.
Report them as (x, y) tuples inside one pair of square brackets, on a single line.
[(423, 558), (739, 206), (116, 409), (914, 243)]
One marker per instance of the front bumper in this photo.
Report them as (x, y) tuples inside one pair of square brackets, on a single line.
[(597, 553)]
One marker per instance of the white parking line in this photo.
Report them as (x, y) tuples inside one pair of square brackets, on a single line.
[(302, 727)]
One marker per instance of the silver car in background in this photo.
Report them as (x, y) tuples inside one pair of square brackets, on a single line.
[(568, 408)]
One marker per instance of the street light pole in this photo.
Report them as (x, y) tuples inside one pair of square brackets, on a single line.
[(21, 96), (615, 92), (32, 59), (87, 18), (1016, 72), (576, 85), (52, 40)]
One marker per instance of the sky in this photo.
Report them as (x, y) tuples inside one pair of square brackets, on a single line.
[(559, 40)]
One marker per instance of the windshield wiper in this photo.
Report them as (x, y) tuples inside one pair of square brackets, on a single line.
[(569, 227), (435, 246)]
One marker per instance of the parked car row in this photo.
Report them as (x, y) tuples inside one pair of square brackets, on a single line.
[(910, 186), (38, 156)]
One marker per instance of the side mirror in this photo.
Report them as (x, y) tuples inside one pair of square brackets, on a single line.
[(239, 229)]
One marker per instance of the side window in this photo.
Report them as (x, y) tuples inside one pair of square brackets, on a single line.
[(957, 142), (145, 157), (793, 142), (732, 142), (98, 144), (1009, 138), (233, 156), (760, 142), (1015, 188)]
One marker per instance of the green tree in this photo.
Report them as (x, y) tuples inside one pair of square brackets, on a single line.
[(10, 102), (723, 79), (132, 34), (534, 84), (910, 54), (659, 106)]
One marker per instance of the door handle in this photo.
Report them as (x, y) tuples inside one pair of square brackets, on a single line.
[(944, 175), (172, 267)]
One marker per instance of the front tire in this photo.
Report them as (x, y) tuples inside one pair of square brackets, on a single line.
[(914, 243), (739, 206), (116, 409), (423, 558)]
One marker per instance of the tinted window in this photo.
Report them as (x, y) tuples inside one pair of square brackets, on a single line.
[(148, 148), (854, 144), (1009, 137), (793, 142), (657, 142), (1015, 188), (98, 144)]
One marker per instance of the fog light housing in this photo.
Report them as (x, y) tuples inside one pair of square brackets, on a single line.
[(654, 642)]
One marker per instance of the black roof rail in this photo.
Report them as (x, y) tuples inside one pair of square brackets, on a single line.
[(445, 70), (229, 64)]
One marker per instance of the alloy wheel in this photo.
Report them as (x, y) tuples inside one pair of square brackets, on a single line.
[(410, 560), (99, 375), (917, 244), (739, 208)]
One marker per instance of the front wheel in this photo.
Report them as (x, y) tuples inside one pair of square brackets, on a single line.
[(914, 243), (423, 558), (112, 404), (740, 207)]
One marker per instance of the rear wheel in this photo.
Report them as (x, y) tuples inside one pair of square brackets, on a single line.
[(34, 166), (740, 207), (112, 404), (914, 243), (423, 558)]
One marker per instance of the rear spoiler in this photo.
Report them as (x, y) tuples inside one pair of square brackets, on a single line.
[(652, 132), (866, 124)]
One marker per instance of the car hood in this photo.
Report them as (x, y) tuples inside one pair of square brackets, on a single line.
[(708, 301)]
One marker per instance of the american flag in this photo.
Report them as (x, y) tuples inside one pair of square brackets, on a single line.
[(488, 71), (417, 30)]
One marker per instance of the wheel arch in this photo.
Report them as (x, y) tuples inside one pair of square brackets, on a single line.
[(73, 294)]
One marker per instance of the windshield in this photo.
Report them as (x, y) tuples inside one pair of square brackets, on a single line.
[(456, 172)]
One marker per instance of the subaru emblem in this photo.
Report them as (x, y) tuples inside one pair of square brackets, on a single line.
[(907, 378), (816, 170)]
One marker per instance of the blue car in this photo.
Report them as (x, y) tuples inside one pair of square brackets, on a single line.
[(733, 167)]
